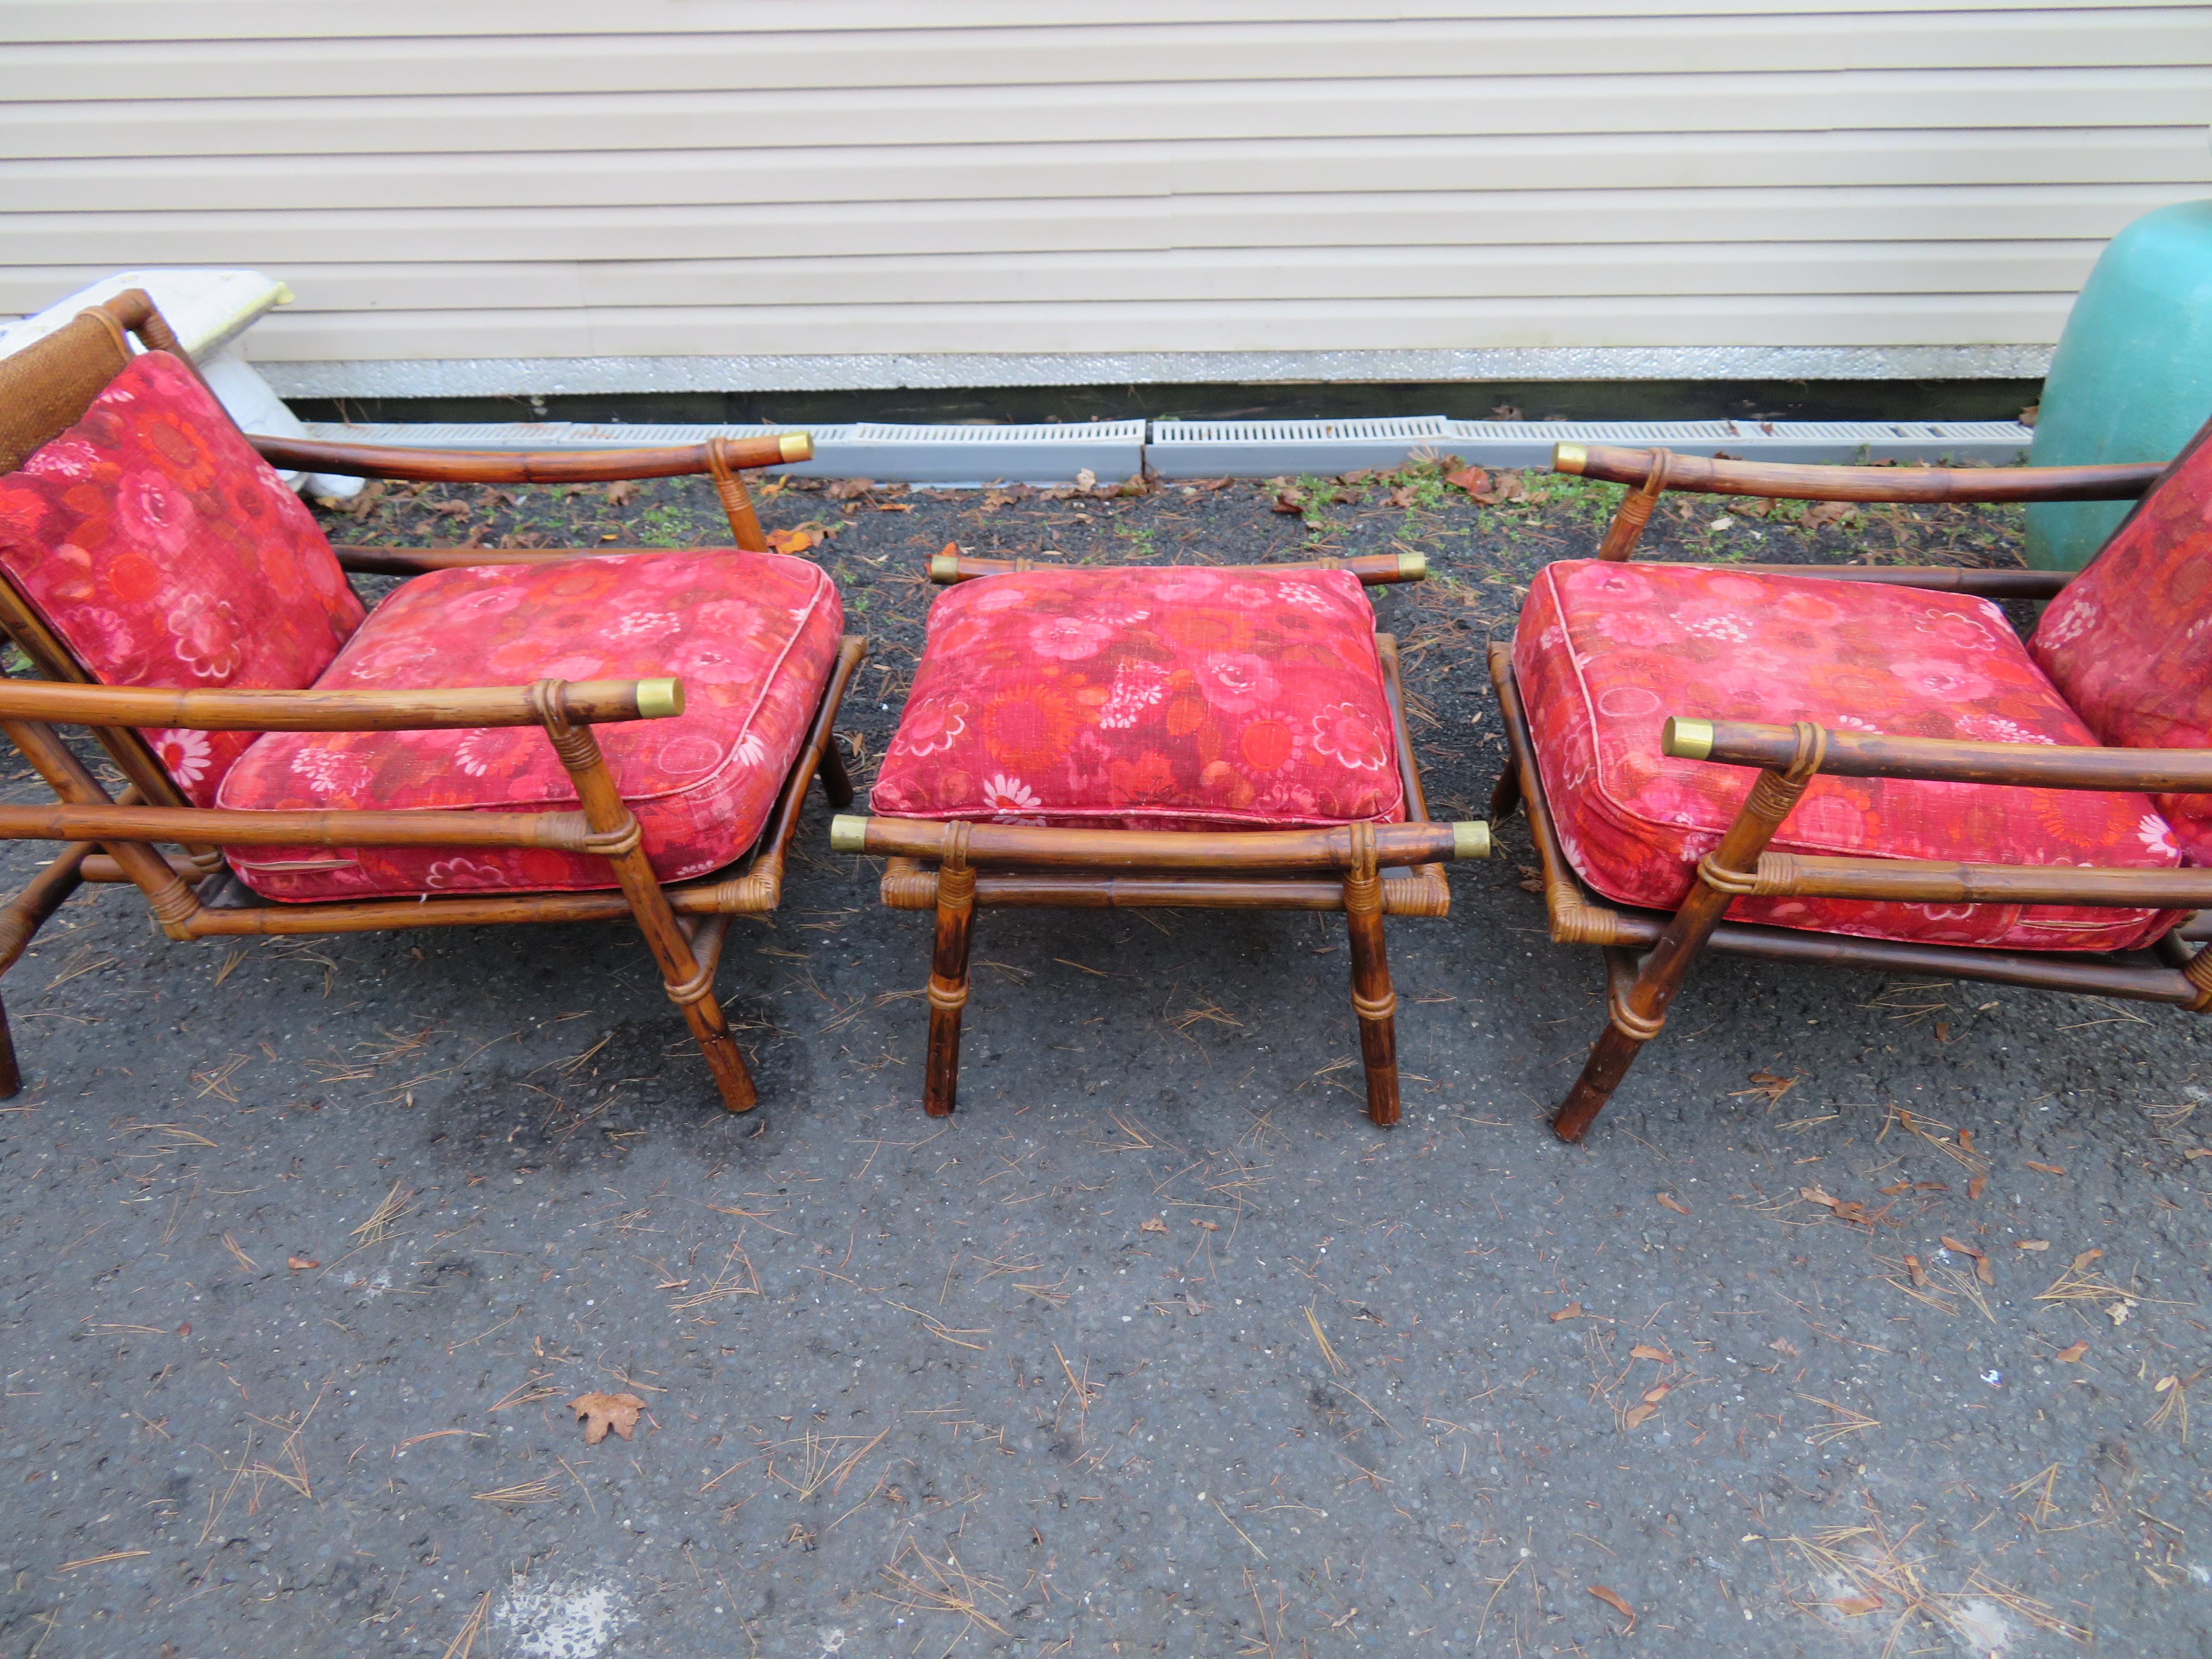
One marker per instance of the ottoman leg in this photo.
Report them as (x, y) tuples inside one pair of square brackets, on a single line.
[(948, 974), (1372, 999)]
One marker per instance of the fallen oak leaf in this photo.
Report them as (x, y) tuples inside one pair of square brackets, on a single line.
[(1784, 1347), (622, 492), (1617, 1605), (2047, 1169), (1857, 1607), (793, 541), (1644, 1351), (1473, 480), (1917, 1273), (602, 1411), (1975, 1186), (1674, 1204), (1653, 1395), (300, 1264), (2085, 1259), (1572, 1310), (2072, 1354), (1157, 1225)]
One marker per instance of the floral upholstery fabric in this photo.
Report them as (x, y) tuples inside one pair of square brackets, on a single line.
[(1606, 652), (165, 552), (2125, 642), (753, 636), (1179, 698)]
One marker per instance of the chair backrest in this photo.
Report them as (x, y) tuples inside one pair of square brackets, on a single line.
[(2128, 642), (143, 542)]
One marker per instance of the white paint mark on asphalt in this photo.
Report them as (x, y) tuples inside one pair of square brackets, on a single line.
[(570, 1619)]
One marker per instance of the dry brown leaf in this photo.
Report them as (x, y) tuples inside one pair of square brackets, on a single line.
[(2072, 1354), (2031, 1243), (1895, 1187), (894, 507), (1959, 1245), (1210, 1226), (1766, 1083), (1855, 1606), (1617, 1605), (1814, 1195), (1966, 1140), (2198, 1151), (1674, 1204), (1784, 1347), (300, 1264), (1635, 1414), (793, 541), (1157, 1225), (622, 492), (1652, 1396), (849, 490), (2085, 1259), (1917, 1273), (1822, 513), (1572, 1310), (602, 1411), (2047, 1169), (1473, 480), (1644, 1351), (1975, 1186)]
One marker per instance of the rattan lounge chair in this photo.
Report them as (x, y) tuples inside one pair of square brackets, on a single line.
[(1863, 765), (315, 770)]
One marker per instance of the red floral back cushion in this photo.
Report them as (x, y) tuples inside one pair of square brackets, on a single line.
[(153, 540), (1179, 698), (2126, 642)]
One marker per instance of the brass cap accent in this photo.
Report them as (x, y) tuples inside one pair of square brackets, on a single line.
[(1412, 566), (1686, 739), (1569, 458), (659, 700), (848, 833), (796, 445), (1471, 840), (944, 567)]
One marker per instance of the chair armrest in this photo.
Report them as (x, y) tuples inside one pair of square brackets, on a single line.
[(1862, 484), (579, 702), (420, 560), (1944, 760), (1998, 583), (489, 466)]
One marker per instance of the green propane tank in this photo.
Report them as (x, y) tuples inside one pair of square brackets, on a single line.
[(2132, 377)]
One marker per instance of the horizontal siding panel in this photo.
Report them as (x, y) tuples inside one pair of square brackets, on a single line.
[(853, 177), (541, 64), (126, 21), (768, 121), (1013, 172), (1383, 273), (2046, 213), (1243, 325)]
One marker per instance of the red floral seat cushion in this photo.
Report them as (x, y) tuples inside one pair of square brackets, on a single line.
[(1605, 652), (753, 636), (2125, 642), (165, 552), (1179, 698)]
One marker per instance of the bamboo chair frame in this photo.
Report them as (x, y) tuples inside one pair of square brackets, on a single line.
[(45, 389), (1366, 871), (1649, 954)]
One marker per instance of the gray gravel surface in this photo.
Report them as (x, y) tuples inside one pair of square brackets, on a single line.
[(1158, 1346)]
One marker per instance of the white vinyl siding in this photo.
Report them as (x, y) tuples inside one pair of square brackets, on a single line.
[(725, 178)]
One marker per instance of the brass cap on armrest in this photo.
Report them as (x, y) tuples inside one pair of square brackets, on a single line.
[(848, 833), (660, 700), (796, 445), (1471, 839), (1412, 566), (1686, 739), (944, 567), (1569, 458)]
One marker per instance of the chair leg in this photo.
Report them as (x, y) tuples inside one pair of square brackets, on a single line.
[(948, 975), (1637, 1007), (21, 918), (690, 987), (836, 781), (1505, 794), (1372, 999)]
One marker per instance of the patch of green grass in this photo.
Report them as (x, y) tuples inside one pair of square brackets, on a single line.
[(664, 525), (1140, 539)]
